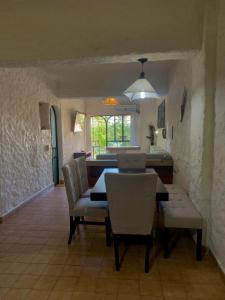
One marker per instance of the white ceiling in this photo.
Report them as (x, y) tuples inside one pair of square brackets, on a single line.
[(97, 80)]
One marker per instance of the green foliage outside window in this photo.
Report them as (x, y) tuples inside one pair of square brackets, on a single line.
[(109, 131)]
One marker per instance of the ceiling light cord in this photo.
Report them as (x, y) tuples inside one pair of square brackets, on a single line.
[(142, 61)]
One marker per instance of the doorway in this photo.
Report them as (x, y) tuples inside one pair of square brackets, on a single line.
[(54, 144)]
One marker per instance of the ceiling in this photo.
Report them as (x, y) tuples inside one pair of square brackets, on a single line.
[(98, 80), (69, 29)]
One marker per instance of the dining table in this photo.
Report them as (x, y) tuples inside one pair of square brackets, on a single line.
[(98, 192)]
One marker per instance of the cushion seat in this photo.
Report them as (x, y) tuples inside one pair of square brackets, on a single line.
[(86, 194), (86, 207), (181, 214)]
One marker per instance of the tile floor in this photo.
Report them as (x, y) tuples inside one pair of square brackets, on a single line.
[(37, 263)]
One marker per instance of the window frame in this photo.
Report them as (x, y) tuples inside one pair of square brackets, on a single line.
[(106, 118)]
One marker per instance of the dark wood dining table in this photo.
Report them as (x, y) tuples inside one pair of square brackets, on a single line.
[(98, 192)]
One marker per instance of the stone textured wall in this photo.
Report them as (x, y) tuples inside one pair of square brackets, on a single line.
[(186, 144), (179, 144), (197, 168), (196, 130), (25, 164), (217, 236)]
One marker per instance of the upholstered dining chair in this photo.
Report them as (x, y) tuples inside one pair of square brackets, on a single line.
[(79, 207), (131, 160), (132, 205), (81, 168)]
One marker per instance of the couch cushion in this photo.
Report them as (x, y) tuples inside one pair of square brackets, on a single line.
[(86, 207), (181, 214)]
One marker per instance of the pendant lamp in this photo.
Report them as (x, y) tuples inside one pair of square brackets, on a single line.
[(110, 101), (141, 88)]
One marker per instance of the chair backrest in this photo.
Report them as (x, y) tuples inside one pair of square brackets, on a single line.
[(71, 184), (131, 160), (82, 174), (132, 202)]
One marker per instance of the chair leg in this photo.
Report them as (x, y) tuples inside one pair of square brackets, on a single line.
[(199, 245), (116, 251), (73, 225), (71, 230), (147, 252), (108, 231), (166, 242)]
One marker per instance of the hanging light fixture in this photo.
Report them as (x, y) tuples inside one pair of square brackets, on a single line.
[(110, 101), (141, 88)]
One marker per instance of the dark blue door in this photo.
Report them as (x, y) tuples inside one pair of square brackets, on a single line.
[(54, 141)]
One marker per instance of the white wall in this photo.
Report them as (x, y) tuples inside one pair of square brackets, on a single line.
[(217, 235), (197, 168), (179, 145), (26, 166), (72, 142), (148, 116)]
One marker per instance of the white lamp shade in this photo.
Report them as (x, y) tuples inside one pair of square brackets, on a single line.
[(77, 128), (140, 89)]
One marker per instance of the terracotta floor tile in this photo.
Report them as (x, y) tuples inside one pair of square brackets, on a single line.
[(37, 263), (53, 270), (151, 288), (95, 296), (35, 269), (66, 284), (85, 284), (60, 295), (45, 283), (8, 280), (4, 266), (16, 294), (107, 286), (69, 270), (129, 286), (38, 295), (174, 290), (206, 291), (3, 292), (26, 281), (128, 297), (204, 276), (17, 268), (147, 297)]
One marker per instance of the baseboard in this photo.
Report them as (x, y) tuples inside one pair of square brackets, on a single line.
[(209, 250), (220, 266), (22, 204)]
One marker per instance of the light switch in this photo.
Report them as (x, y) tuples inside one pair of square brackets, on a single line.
[(47, 148)]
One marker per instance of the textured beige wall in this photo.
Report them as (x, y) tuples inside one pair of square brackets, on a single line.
[(188, 144), (202, 129), (217, 236), (68, 29), (179, 145), (25, 164), (148, 116), (72, 142)]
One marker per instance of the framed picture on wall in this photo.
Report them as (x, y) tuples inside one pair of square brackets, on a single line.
[(161, 115)]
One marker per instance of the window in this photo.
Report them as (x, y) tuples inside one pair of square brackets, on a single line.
[(109, 131)]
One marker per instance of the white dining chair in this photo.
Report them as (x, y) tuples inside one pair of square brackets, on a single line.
[(83, 207), (132, 206), (81, 168), (131, 160)]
